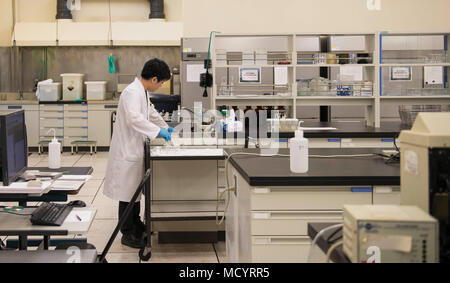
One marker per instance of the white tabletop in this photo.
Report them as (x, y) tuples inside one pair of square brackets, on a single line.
[(11, 224)]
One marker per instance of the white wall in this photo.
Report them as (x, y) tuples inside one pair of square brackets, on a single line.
[(281, 16), (250, 16)]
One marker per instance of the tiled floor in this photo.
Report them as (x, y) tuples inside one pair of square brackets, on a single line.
[(106, 219)]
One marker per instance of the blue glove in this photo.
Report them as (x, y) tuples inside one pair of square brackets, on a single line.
[(165, 134), (171, 130)]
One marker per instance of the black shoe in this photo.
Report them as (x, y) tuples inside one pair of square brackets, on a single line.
[(132, 241)]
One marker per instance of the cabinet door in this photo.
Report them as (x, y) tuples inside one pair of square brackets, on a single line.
[(32, 123), (99, 127)]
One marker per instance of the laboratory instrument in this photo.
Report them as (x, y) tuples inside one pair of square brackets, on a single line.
[(389, 234), (72, 86), (425, 171)]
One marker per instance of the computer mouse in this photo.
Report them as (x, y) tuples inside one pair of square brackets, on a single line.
[(77, 203)]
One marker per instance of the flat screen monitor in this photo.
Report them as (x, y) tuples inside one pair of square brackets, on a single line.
[(13, 146)]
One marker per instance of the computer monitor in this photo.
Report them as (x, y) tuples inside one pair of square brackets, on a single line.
[(13, 146)]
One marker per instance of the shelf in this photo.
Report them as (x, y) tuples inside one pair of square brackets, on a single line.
[(252, 66), (333, 65), (412, 100), (335, 100), (416, 65), (254, 100)]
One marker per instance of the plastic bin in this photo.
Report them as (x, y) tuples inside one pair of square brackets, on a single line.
[(72, 86), (96, 90), (408, 113), (49, 92)]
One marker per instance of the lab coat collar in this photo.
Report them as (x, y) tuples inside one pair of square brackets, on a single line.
[(138, 82)]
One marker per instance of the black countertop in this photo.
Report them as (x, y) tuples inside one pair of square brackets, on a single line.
[(275, 171), (327, 240), (350, 129)]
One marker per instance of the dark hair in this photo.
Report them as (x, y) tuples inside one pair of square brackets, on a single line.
[(156, 68)]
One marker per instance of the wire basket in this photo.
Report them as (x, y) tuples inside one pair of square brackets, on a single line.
[(408, 114)]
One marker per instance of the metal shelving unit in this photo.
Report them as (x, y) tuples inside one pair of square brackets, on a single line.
[(414, 52), (308, 56)]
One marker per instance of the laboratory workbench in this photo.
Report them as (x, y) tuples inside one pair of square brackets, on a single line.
[(275, 171), (270, 207)]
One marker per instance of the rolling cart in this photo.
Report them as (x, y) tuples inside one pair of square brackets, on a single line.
[(145, 252)]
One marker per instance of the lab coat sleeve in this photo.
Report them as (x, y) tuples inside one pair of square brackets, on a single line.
[(137, 120), (155, 118)]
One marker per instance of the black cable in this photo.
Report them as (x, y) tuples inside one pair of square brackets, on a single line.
[(330, 240)]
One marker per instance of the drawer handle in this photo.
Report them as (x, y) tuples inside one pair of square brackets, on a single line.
[(15, 107), (261, 191), (387, 140), (283, 140), (60, 111), (84, 127), (60, 118), (111, 106), (60, 128), (286, 241), (84, 111), (361, 189), (84, 118), (334, 140), (84, 137)]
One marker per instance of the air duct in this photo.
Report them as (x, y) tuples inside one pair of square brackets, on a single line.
[(63, 11), (157, 10)]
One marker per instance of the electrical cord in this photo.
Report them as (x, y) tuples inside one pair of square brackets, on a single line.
[(332, 248), (20, 214), (320, 234), (229, 189)]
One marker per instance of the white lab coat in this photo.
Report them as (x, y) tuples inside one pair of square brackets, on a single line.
[(136, 119)]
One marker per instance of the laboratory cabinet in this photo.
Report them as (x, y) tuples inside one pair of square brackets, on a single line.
[(100, 123), (31, 120), (269, 223)]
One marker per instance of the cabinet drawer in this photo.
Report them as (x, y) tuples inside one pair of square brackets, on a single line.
[(51, 107), (76, 122), (386, 195), (75, 107), (367, 143), (75, 113), (278, 223), (44, 130), (51, 114), (280, 249), (308, 198), (76, 132), (51, 122), (324, 143)]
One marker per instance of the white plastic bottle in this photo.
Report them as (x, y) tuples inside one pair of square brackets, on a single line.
[(54, 152), (299, 152)]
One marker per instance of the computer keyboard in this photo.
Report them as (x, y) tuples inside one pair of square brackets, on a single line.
[(50, 214)]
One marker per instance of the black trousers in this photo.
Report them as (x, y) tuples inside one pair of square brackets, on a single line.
[(133, 223)]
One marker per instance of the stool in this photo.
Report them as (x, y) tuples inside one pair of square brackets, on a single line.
[(43, 143), (91, 144)]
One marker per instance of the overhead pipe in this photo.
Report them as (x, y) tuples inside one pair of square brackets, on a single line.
[(157, 10), (63, 11)]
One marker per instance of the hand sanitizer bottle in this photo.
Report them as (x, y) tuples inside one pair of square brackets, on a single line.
[(299, 152), (54, 152)]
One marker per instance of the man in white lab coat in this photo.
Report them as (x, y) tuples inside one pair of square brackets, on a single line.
[(136, 120)]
